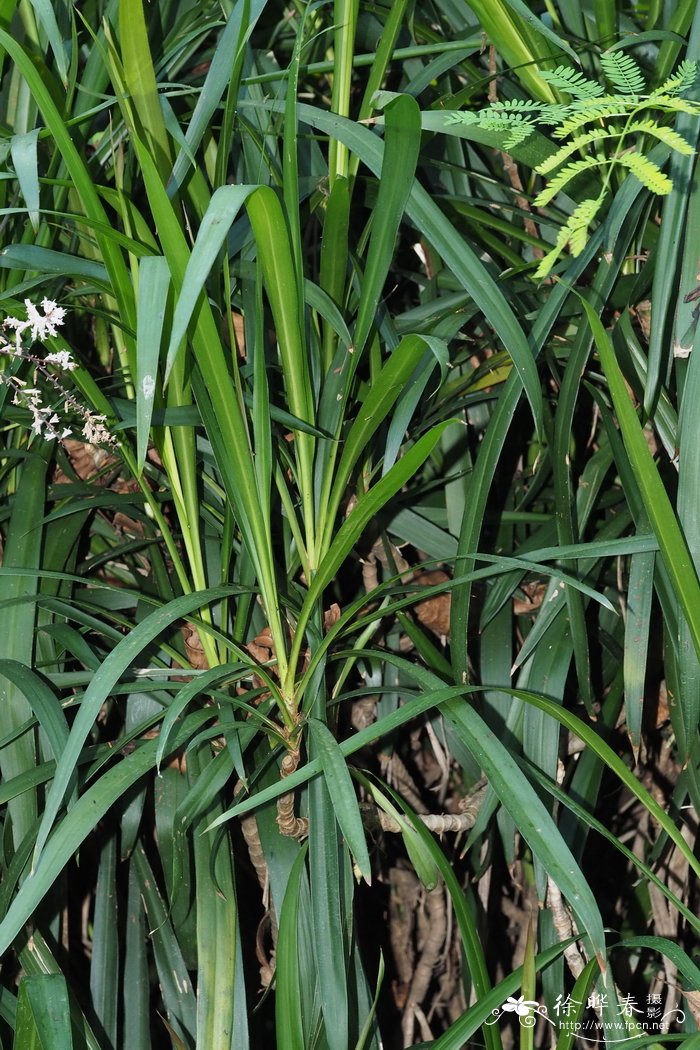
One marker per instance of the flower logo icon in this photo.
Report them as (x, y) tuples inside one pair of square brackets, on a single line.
[(520, 1006)]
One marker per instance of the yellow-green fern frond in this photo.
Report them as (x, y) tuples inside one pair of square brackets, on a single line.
[(597, 109), (623, 72), (647, 172), (670, 104), (579, 143), (573, 82), (666, 135), (565, 176), (574, 234), (681, 80)]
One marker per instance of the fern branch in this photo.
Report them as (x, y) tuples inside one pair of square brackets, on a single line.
[(670, 104), (565, 176), (623, 72), (579, 143), (574, 234), (666, 135), (648, 173), (574, 83), (597, 110), (681, 80)]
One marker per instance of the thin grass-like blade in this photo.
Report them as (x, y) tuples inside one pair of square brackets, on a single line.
[(472, 945), (353, 526), (134, 985), (104, 961), (672, 543), (22, 551), (288, 1016), (456, 253), (640, 590), (383, 393), (223, 208), (328, 920), (531, 818), (217, 926), (224, 62), (110, 251), (79, 822), (537, 26), (121, 657), (342, 794), (401, 147), (141, 81), (521, 47), (46, 15), (174, 980)]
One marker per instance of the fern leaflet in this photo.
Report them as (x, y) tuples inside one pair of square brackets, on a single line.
[(666, 135), (560, 181), (574, 83), (518, 105), (681, 80), (670, 104), (579, 143), (623, 72), (647, 172), (574, 234), (598, 110)]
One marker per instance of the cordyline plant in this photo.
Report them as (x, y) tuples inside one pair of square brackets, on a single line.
[(350, 610)]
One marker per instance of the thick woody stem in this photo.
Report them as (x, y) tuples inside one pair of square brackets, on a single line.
[(289, 824)]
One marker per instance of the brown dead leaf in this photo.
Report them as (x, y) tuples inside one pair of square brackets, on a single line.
[(693, 1001), (434, 613), (662, 712), (239, 333), (86, 460), (534, 593), (194, 648)]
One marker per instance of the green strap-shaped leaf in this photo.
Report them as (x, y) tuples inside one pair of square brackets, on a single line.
[(121, 657), (383, 393), (519, 7), (223, 208), (289, 1023), (672, 544), (141, 81), (342, 794), (24, 157), (456, 253), (240, 25), (154, 282), (399, 159), (640, 591), (79, 823), (347, 535), (43, 1014)]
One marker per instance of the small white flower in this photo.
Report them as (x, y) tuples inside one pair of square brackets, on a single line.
[(46, 323), (95, 431), (62, 359)]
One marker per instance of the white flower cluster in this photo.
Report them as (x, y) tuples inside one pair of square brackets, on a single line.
[(46, 421), (40, 325)]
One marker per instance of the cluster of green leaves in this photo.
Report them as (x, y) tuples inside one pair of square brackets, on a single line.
[(610, 128), (282, 312)]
